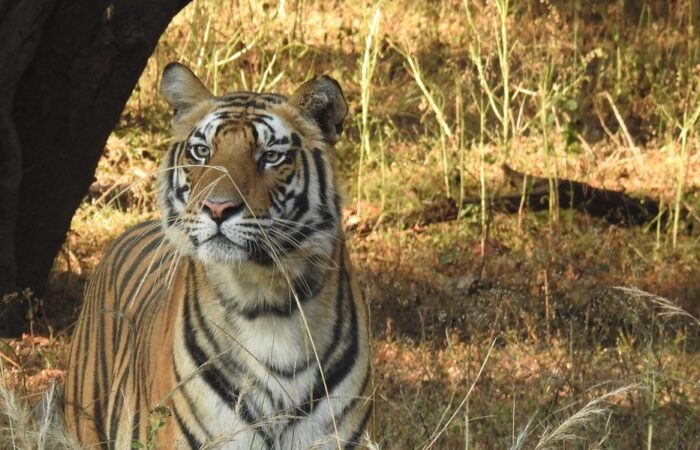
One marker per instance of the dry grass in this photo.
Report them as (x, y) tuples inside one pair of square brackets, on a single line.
[(24, 427), (596, 92)]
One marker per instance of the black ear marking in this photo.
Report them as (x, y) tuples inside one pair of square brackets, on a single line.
[(321, 99)]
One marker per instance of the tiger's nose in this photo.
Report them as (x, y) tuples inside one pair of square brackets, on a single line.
[(220, 211)]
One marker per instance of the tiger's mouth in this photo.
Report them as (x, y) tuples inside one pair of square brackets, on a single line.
[(220, 249), (219, 238), (232, 243)]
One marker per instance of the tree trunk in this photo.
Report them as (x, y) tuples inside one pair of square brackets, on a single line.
[(67, 67)]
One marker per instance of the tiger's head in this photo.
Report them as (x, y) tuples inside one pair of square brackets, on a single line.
[(248, 177)]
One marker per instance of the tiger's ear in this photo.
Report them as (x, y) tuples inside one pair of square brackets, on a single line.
[(181, 88), (321, 100)]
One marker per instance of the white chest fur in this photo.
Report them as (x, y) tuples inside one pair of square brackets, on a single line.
[(269, 360)]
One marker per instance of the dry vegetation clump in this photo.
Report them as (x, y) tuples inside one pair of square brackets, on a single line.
[(494, 330), (22, 427)]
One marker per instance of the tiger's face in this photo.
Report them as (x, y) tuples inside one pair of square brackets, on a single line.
[(249, 177)]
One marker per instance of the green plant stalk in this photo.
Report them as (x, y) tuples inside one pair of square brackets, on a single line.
[(369, 59), (445, 130), (680, 185), (657, 245), (266, 73), (503, 52), (466, 425), (550, 160), (577, 8), (500, 106), (476, 57), (445, 166), (382, 171), (225, 55), (480, 101), (418, 77), (689, 122), (299, 13), (652, 408), (618, 49), (521, 206), (483, 194), (459, 130), (203, 45)]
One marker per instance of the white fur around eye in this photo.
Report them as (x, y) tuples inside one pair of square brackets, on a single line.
[(200, 151)]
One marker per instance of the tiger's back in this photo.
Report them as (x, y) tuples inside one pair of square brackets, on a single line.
[(233, 322), (127, 303)]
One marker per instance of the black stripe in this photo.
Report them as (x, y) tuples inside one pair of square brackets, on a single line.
[(172, 162), (120, 253), (247, 103), (180, 192), (301, 204), (124, 253), (277, 206), (274, 99), (303, 233), (338, 325), (221, 125), (354, 441), (119, 294), (129, 345), (137, 262), (87, 316), (192, 441), (214, 378), (290, 157), (337, 372), (97, 385), (212, 375), (251, 420), (338, 212), (365, 381), (284, 140), (136, 418), (254, 132), (116, 413), (188, 400), (209, 334), (305, 286), (261, 116), (171, 213), (101, 377), (324, 209), (343, 362)]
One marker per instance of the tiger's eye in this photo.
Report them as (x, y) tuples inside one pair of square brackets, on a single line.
[(200, 151), (270, 157)]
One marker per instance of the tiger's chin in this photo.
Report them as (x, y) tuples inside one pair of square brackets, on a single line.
[(219, 250), (212, 254)]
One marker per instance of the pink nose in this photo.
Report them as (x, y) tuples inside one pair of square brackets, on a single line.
[(217, 210)]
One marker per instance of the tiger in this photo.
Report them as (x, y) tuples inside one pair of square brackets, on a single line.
[(233, 321)]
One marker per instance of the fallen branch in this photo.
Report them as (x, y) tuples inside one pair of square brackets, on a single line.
[(615, 207)]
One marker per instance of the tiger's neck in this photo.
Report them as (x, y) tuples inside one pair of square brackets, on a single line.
[(258, 322), (251, 290)]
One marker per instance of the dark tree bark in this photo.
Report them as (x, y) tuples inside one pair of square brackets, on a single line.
[(67, 67)]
